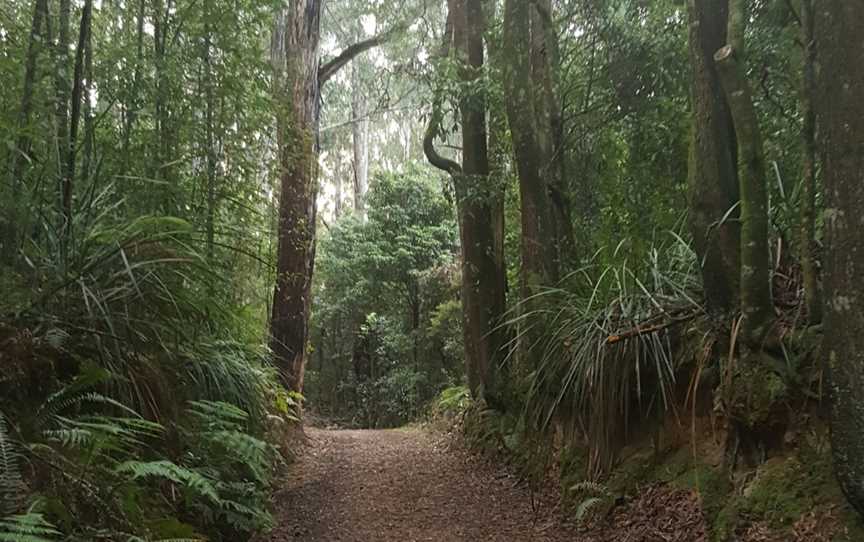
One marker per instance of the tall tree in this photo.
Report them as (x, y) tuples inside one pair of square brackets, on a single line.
[(359, 137), (78, 87), (295, 58), (537, 246), (713, 178), (545, 69), (755, 285), (840, 31), (483, 296), (807, 239), (297, 80)]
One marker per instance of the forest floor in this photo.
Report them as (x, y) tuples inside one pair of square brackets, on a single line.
[(406, 485), (419, 485)]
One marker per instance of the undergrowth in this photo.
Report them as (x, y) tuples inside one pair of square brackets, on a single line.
[(631, 362), (133, 405)]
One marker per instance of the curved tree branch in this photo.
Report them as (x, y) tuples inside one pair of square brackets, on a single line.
[(332, 67), (432, 131), (434, 128)]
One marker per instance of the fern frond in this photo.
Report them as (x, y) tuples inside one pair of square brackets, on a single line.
[(102, 432), (218, 413), (169, 470), (586, 506), (29, 527), (589, 487), (65, 399), (11, 482), (245, 449)]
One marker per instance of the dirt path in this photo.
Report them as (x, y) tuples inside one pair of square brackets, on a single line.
[(403, 486)]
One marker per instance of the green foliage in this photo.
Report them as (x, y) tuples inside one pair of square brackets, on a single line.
[(169, 471), (387, 326), (11, 482), (607, 347), (29, 527), (591, 496), (453, 401), (119, 331)]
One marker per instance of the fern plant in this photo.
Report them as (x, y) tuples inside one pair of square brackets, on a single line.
[(593, 495), (28, 527), (240, 464), (168, 470), (11, 483)]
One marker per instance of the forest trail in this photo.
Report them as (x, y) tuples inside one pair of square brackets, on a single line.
[(404, 485)]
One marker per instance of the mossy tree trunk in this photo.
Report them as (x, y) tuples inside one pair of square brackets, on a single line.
[(755, 393), (545, 69), (537, 247), (840, 32), (298, 76), (713, 177), (755, 282), (483, 295), (294, 54)]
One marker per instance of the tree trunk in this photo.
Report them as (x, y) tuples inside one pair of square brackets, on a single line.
[(133, 105), (75, 119), (840, 31), (21, 152), (62, 90), (713, 178), (297, 80), (89, 127), (360, 142), (545, 69), (538, 232), (483, 295), (210, 143), (294, 54), (755, 283), (808, 250)]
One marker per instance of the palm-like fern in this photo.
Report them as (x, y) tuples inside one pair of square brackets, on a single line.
[(607, 347)]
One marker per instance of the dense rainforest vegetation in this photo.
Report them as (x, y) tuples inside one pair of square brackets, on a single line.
[(614, 241)]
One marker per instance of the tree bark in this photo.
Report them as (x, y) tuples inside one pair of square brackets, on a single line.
[(483, 296), (537, 248), (545, 61), (755, 283), (297, 79), (360, 142), (71, 152), (808, 249), (295, 58), (840, 33), (712, 177)]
